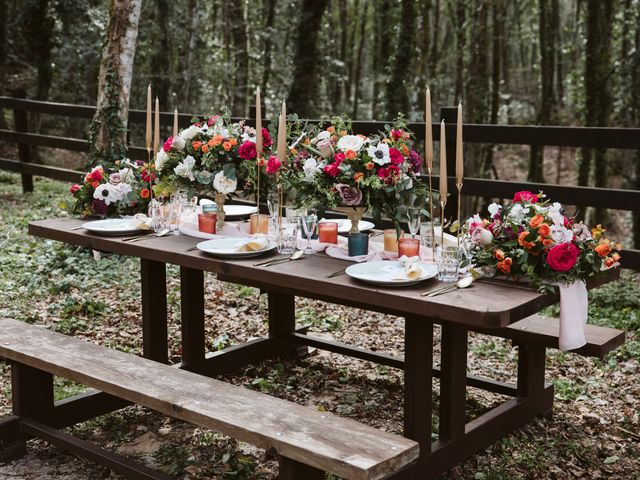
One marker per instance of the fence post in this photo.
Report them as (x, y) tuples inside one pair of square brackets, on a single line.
[(450, 117), (24, 151)]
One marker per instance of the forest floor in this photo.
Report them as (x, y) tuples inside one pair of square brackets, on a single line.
[(594, 432)]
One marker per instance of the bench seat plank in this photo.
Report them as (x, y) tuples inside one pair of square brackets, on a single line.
[(546, 331), (330, 443)]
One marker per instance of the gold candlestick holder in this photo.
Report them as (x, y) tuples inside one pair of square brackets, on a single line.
[(433, 230), (459, 187), (150, 174)]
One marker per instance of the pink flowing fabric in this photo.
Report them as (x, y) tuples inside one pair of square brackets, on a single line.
[(376, 251)]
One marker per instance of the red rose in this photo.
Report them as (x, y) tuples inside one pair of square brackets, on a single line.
[(563, 257), (247, 150), (273, 165), (339, 157), (266, 138), (332, 170), (74, 188), (525, 196), (396, 134), (396, 156), (167, 144)]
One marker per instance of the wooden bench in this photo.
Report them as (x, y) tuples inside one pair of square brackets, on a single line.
[(545, 331), (308, 442)]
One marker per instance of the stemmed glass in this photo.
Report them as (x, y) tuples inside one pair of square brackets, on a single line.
[(414, 215), (273, 204), (309, 224)]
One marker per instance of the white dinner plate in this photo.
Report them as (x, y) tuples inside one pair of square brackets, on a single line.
[(228, 247), (388, 273), (113, 226), (233, 211), (344, 224)]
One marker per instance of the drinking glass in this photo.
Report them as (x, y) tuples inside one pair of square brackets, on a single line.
[(358, 244), (286, 237), (328, 232), (425, 235), (174, 210), (448, 263), (273, 204), (414, 215), (309, 223), (409, 247), (391, 239), (158, 215)]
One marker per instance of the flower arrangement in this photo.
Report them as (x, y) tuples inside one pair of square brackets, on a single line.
[(124, 190), (337, 168), (207, 157), (534, 238)]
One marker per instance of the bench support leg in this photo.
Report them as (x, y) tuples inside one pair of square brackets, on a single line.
[(153, 277), (292, 470), (192, 298), (12, 444)]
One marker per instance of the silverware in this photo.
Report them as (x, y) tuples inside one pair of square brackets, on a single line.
[(297, 255), (161, 233), (191, 249), (335, 274), (464, 282), (76, 228)]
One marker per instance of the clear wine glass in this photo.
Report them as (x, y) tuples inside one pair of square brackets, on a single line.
[(414, 215), (309, 224), (273, 204)]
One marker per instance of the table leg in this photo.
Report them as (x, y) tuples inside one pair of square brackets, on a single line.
[(192, 307), (453, 382), (292, 470), (418, 365), (282, 322), (154, 310), (531, 368)]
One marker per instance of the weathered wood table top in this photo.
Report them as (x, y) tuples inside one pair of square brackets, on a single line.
[(483, 305)]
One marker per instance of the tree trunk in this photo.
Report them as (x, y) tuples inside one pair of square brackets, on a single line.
[(303, 96), (635, 87), (399, 83), (268, 30), (546, 37), (433, 66), (107, 133), (381, 53), (240, 58), (3, 60), (188, 54), (162, 57), (37, 29), (358, 70), (461, 40), (597, 91)]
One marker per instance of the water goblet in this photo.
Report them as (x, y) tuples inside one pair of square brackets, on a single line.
[(414, 215), (309, 224)]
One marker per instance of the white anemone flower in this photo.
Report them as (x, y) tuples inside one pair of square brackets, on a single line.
[(379, 153), (107, 193), (249, 134)]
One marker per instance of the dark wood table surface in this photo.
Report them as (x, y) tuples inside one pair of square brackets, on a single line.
[(484, 307)]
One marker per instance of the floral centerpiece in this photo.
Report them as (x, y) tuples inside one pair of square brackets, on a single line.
[(337, 169), (535, 239), (122, 191)]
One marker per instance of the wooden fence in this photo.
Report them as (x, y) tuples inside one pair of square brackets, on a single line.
[(619, 138)]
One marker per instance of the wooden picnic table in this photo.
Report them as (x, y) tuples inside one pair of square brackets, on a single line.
[(486, 308)]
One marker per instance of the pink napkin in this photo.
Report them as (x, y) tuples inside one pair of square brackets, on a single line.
[(376, 251), (230, 230)]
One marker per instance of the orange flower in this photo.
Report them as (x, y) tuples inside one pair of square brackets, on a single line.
[(547, 242), (358, 177), (603, 249), (343, 133), (523, 242), (205, 148), (350, 154), (196, 145), (334, 138), (505, 265), (544, 230), (306, 141), (227, 146), (331, 129), (261, 162), (536, 221), (499, 254), (233, 141), (369, 165), (144, 193), (211, 143), (616, 257), (405, 150), (293, 151), (95, 184)]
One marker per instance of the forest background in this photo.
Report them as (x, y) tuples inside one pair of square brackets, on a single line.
[(547, 62)]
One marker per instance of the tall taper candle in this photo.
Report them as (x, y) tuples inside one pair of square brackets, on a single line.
[(175, 122), (156, 129), (428, 133), (443, 164), (459, 148), (282, 134), (149, 128), (258, 124)]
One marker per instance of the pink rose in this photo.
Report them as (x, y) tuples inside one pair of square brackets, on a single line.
[(563, 257), (350, 196), (339, 157), (247, 150), (74, 188), (396, 156), (525, 196), (212, 120), (332, 170), (273, 165), (266, 138), (396, 134), (167, 144)]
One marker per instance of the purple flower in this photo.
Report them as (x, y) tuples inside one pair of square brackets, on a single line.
[(350, 196), (415, 161)]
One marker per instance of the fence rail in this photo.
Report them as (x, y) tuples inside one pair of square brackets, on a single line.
[(586, 137)]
